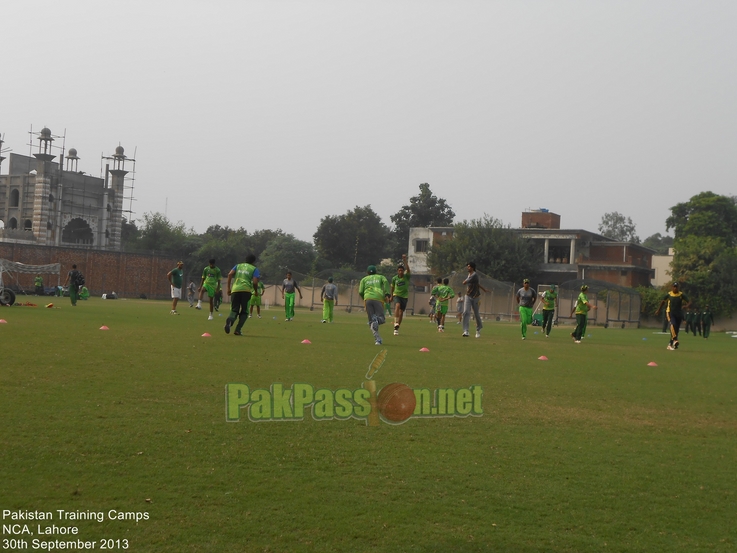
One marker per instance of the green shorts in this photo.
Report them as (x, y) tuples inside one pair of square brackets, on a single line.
[(441, 308), (255, 301), (210, 289)]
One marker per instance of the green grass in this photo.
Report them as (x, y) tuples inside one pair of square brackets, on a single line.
[(591, 450)]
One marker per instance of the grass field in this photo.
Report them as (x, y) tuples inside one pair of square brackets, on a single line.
[(592, 450)]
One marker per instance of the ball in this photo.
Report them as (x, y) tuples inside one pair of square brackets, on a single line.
[(396, 402)]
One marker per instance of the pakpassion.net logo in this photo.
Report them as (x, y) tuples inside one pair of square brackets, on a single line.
[(394, 403)]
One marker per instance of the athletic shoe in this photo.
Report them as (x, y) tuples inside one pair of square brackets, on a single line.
[(323, 321), (287, 319), (227, 326), (209, 318), (465, 334), (670, 348), (578, 341), (524, 338), (378, 342), (250, 316), (478, 334), (396, 327), (259, 316), (396, 332), (236, 333), (198, 306), (547, 336), (676, 344), (173, 312)]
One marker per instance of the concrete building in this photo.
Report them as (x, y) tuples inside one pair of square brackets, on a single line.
[(46, 204), (661, 269), (565, 254)]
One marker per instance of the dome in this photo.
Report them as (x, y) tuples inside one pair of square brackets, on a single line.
[(72, 153), (45, 133), (119, 151)]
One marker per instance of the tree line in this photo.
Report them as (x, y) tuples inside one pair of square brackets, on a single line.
[(705, 245)]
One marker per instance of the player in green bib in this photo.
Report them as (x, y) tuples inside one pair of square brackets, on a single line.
[(444, 294), (434, 299), (374, 291), (38, 284), (581, 309), (550, 302), (211, 276), (400, 292), (243, 279), (255, 301)]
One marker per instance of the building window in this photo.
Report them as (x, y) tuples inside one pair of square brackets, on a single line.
[(14, 198), (421, 246), (12, 224), (28, 225)]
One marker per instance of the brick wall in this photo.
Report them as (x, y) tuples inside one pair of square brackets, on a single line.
[(630, 278), (128, 274), (540, 219)]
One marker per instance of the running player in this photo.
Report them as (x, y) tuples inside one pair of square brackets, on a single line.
[(400, 292), (211, 276), (674, 304)]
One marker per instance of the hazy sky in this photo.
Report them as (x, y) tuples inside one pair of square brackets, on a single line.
[(273, 114)]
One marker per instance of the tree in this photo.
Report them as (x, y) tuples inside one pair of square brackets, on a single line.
[(129, 235), (159, 234), (356, 239), (659, 243), (424, 210), (497, 250), (706, 214), (706, 267), (705, 250), (227, 246), (261, 238), (614, 225), (650, 299), (284, 253)]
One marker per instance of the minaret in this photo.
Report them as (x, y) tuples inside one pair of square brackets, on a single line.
[(42, 193), (1, 151), (117, 186)]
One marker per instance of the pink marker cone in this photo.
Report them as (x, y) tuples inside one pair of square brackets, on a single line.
[(652, 364), (3, 321), (103, 327), (424, 349), (305, 341), (542, 358), (206, 335)]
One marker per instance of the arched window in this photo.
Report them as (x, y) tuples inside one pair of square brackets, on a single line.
[(2, 224), (12, 224), (28, 225), (77, 231), (14, 198)]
